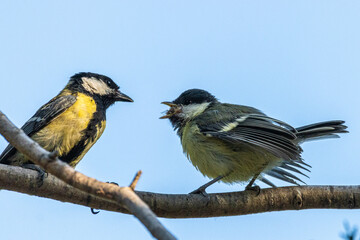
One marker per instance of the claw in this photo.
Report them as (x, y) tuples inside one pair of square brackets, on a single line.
[(200, 190), (113, 183), (41, 173), (93, 211), (255, 188)]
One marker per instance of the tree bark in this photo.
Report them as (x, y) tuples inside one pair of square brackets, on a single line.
[(188, 205)]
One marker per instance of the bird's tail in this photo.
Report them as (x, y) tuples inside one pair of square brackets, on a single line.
[(315, 131), (328, 129)]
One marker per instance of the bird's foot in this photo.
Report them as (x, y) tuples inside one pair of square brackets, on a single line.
[(41, 176), (255, 189), (200, 190), (93, 211)]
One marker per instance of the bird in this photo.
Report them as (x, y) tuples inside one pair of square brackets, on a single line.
[(239, 144), (71, 122)]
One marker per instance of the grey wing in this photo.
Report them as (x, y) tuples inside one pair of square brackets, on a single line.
[(268, 133), (41, 118), (273, 135)]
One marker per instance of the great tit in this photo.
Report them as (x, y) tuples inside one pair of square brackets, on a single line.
[(70, 123), (233, 143)]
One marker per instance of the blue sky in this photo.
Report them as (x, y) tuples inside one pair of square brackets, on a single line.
[(297, 61)]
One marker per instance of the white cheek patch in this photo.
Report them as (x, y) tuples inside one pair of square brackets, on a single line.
[(192, 110), (96, 86)]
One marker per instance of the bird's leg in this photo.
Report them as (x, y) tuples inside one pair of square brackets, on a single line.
[(201, 190), (42, 173), (251, 183), (251, 187)]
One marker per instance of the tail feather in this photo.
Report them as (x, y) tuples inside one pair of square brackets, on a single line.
[(321, 130)]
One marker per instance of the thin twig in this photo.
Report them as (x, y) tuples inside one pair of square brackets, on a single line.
[(135, 180), (124, 196)]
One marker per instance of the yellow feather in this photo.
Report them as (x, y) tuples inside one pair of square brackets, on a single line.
[(65, 131)]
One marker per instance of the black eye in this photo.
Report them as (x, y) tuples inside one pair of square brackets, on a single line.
[(108, 82)]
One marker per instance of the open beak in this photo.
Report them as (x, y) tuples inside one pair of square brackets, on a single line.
[(174, 109), (121, 97), (170, 104)]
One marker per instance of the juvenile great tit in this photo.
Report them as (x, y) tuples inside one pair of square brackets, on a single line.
[(233, 143), (71, 122)]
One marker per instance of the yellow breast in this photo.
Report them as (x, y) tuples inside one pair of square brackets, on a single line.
[(65, 131)]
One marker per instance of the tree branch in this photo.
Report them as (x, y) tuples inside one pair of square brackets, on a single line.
[(124, 196), (188, 205)]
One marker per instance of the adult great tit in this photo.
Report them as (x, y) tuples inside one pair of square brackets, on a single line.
[(233, 143), (71, 122)]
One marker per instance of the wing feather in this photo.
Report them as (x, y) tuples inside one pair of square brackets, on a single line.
[(273, 135), (254, 128), (41, 118)]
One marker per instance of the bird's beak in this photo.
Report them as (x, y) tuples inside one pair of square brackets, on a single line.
[(174, 109), (170, 104), (121, 97)]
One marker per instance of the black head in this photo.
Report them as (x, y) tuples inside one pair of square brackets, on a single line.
[(187, 106), (194, 96), (98, 86)]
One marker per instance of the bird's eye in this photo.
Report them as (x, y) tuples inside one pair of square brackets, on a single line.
[(108, 82)]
